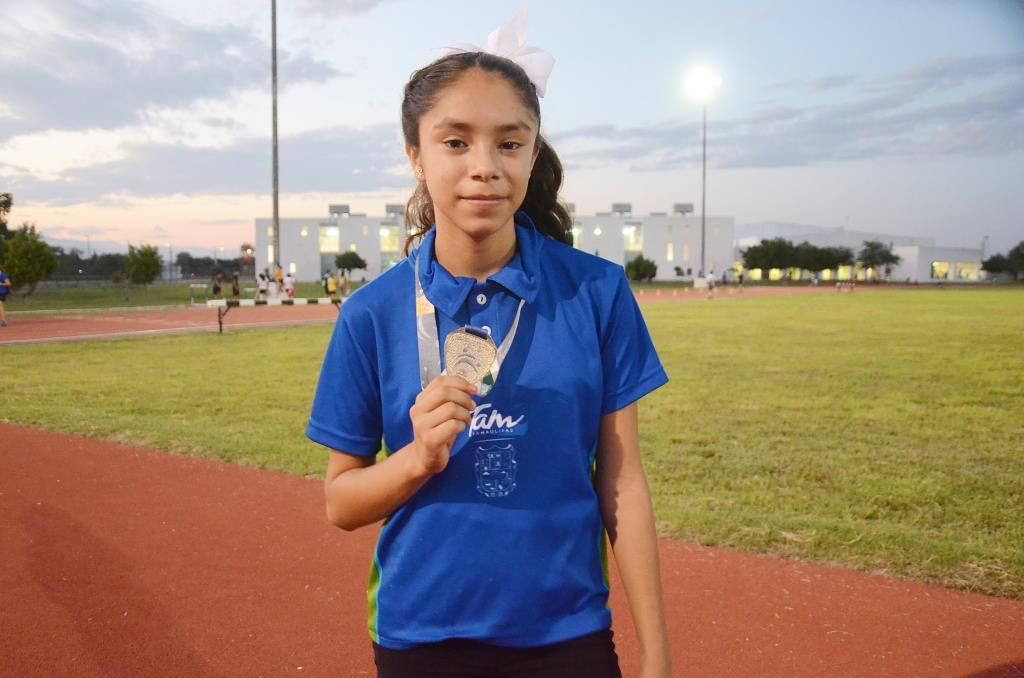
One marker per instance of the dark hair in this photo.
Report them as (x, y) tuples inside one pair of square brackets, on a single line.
[(421, 93)]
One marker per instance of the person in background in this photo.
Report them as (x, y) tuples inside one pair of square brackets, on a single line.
[(236, 289), (289, 285), (5, 289), (217, 283), (710, 280), (261, 286), (342, 283), (278, 275)]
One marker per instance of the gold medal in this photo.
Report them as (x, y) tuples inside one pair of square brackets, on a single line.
[(469, 353)]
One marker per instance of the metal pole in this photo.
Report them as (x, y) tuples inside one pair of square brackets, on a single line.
[(703, 191), (273, 69)]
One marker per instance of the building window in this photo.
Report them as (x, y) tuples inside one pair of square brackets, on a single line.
[(669, 229), (576, 231), (304, 232), (270, 254), (329, 240), (632, 238), (686, 253), (669, 252), (389, 239), (968, 271), (270, 231), (940, 270), (597, 230), (352, 247), (291, 267), (366, 230)]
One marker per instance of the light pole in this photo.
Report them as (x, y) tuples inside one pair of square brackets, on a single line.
[(170, 262), (702, 83), (273, 71)]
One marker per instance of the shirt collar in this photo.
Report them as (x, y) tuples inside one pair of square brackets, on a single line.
[(519, 276)]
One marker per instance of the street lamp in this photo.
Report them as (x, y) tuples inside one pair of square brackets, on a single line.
[(701, 84)]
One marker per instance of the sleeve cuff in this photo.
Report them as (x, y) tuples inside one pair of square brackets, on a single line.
[(635, 391), (355, 445)]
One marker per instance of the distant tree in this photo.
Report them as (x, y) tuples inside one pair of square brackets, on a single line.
[(878, 255), (349, 261), (28, 259), (144, 264), (641, 269), (6, 201), (769, 254), (997, 263), (1015, 260)]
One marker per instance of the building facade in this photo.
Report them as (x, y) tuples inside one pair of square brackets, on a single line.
[(922, 260), (671, 240)]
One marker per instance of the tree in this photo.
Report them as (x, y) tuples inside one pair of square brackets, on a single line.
[(1015, 260), (349, 261), (997, 263), (28, 259), (6, 201), (877, 255), (144, 264), (640, 269)]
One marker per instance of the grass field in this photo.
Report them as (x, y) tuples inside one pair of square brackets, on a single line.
[(126, 295), (881, 431)]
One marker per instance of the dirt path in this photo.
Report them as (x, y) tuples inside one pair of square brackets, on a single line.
[(121, 561)]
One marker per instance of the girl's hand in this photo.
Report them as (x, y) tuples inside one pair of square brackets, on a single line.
[(441, 412)]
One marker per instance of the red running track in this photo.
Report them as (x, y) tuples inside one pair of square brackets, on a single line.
[(122, 561)]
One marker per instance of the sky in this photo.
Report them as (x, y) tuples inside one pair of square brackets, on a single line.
[(149, 121)]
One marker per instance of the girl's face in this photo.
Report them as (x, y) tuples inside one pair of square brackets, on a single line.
[(477, 148)]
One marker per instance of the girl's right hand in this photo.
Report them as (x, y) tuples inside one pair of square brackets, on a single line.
[(441, 412)]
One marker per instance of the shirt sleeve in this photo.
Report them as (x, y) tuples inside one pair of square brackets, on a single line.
[(630, 364), (347, 411)]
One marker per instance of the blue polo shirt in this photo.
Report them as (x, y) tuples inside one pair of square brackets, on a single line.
[(506, 545)]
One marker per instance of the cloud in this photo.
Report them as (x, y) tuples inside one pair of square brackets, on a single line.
[(972, 106), (71, 64), (333, 8), (340, 159)]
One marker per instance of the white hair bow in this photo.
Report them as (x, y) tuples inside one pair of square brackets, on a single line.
[(509, 41)]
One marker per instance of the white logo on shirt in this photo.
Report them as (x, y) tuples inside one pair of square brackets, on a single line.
[(492, 422)]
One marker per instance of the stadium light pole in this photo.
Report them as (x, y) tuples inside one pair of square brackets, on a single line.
[(701, 84), (273, 77)]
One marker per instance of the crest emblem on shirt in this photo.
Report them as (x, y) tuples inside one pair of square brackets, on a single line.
[(496, 468)]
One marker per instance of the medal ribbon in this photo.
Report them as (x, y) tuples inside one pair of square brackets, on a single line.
[(429, 345)]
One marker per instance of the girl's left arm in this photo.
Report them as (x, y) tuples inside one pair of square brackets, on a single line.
[(626, 509)]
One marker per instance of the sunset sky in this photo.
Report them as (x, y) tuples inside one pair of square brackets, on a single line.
[(149, 121)]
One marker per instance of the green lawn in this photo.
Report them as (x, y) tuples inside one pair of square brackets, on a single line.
[(879, 430), (127, 295)]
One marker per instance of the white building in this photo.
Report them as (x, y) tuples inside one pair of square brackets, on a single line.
[(672, 241), (921, 259)]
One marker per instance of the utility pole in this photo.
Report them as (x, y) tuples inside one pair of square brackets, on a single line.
[(273, 71)]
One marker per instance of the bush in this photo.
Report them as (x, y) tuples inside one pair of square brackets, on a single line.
[(641, 269)]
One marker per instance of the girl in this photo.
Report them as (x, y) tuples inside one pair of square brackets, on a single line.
[(496, 495)]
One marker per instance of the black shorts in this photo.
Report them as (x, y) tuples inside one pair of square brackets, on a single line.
[(591, 656)]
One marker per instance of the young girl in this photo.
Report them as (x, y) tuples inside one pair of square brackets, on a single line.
[(496, 495)]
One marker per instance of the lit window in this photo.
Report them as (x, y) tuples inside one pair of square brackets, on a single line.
[(632, 238), (597, 230), (304, 232), (270, 231), (352, 247), (686, 253), (329, 240), (389, 240), (669, 253), (940, 270), (270, 254), (291, 267)]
